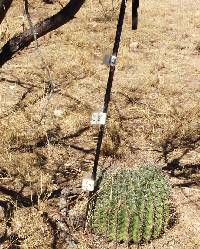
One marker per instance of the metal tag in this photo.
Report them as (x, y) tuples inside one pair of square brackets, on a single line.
[(109, 60), (88, 183), (98, 118), (106, 59), (113, 59)]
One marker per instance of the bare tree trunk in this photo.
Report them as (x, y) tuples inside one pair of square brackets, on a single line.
[(22, 40), (4, 7)]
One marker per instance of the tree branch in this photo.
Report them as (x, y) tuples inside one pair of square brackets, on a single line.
[(22, 40), (4, 7)]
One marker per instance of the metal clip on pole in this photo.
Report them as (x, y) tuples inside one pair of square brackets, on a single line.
[(110, 60)]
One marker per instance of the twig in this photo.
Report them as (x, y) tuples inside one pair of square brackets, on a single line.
[(51, 85)]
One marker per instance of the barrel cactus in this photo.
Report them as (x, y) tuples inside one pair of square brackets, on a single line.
[(131, 206)]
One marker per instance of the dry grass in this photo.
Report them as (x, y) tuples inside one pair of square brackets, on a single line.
[(154, 114)]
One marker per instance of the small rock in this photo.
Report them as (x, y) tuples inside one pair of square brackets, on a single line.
[(58, 113), (134, 45), (12, 87)]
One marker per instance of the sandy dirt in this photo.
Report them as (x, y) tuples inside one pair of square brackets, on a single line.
[(155, 105)]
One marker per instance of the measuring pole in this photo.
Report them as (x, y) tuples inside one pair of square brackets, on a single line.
[(135, 6), (107, 96), (100, 118)]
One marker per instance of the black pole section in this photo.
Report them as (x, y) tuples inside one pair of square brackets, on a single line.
[(109, 83), (135, 6)]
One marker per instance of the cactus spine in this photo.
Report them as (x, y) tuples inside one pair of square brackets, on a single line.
[(132, 206)]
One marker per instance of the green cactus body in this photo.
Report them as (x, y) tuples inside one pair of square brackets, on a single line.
[(132, 206), (166, 216), (148, 223), (100, 220), (112, 226), (122, 223), (158, 218), (135, 228)]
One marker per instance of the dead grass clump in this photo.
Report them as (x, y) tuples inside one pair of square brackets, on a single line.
[(31, 230), (18, 130), (112, 141)]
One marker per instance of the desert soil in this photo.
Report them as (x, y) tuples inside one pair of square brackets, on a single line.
[(154, 116)]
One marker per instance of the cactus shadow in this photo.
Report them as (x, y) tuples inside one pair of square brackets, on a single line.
[(175, 167)]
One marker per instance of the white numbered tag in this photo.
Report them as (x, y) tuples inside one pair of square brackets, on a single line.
[(98, 118), (88, 183)]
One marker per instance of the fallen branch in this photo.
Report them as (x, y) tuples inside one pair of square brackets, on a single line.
[(22, 40), (4, 7)]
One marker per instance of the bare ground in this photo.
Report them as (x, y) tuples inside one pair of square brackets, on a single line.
[(154, 117)]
